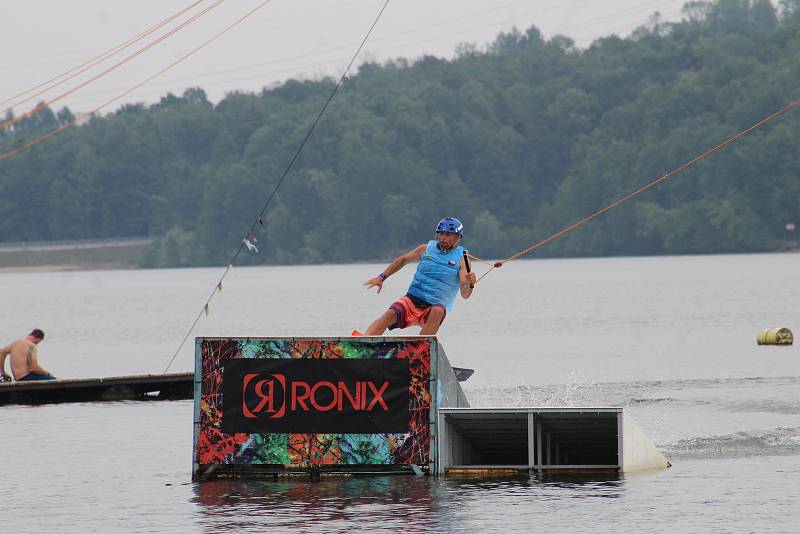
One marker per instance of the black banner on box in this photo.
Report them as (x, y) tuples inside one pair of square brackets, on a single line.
[(312, 396)]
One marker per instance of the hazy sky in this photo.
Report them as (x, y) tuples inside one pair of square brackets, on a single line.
[(285, 39)]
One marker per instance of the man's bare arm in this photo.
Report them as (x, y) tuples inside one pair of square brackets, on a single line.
[(396, 265), (5, 351)]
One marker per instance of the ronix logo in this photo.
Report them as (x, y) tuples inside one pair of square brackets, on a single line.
[(316, 395), (273, 395)]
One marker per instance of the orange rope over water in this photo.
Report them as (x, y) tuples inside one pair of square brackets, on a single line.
[(83, 67), (145, 48), (137, 86), (642, 189)]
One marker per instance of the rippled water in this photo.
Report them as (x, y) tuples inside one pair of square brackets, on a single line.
[(671, 339)]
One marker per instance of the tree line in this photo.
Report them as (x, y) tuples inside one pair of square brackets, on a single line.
[(517, 138)]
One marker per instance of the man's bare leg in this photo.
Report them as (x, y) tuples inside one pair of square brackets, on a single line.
[(434, 321), (379, 326)]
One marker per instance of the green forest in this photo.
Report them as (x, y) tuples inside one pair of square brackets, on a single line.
[(517, 138)]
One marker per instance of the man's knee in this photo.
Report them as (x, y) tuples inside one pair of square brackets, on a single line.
[(436, 314)]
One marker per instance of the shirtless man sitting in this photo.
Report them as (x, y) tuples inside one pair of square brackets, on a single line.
[(24, 358)]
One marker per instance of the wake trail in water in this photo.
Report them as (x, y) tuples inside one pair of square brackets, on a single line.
[(777, 442)]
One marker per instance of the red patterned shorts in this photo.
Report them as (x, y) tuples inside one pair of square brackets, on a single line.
[(409, 314)]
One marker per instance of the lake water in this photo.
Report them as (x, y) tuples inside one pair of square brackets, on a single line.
[(672, 339)]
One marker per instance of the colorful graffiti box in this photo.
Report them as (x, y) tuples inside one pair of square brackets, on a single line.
[(303, 402)]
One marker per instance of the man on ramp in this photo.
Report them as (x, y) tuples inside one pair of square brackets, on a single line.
[(442, 272)]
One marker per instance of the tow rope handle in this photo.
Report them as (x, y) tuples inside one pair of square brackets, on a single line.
[(469, 270)]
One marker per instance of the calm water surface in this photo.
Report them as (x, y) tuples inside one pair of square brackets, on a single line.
[(671, 339)]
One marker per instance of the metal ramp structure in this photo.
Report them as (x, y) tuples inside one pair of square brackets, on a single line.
[(542, 440), (316, 406)]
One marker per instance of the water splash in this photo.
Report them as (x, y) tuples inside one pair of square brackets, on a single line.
[(581, 391)]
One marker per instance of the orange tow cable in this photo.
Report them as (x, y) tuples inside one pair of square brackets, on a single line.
[(83, 67), (138, 85), (642, 189), (145, 48)]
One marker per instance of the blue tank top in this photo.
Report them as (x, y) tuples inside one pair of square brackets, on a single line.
[(436, 280)]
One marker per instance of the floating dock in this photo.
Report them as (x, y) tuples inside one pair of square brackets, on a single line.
[(172, 386), (266, 407)]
